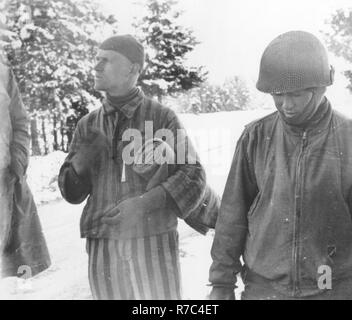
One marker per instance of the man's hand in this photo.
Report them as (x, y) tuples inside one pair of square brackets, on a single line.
[(88, 151), (127, 213), (222, 293), (130, 211)]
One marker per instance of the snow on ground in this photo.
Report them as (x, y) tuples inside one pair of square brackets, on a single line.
[(215, 139), (42, 176), (215, 136)]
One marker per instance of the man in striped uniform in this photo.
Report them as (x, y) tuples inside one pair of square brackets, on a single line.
[(132, 238)]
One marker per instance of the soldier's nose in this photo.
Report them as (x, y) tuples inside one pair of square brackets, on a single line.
[(287, 104)]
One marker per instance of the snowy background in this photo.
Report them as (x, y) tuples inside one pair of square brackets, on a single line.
[(216, 49)]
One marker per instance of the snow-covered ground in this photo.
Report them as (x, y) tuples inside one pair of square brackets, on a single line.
[(215, 137)]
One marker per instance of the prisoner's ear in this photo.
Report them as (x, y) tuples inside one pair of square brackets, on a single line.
[(332, 74)]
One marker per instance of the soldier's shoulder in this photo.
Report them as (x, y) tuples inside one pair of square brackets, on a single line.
[(342, 121), (262, 122), (341, 117)]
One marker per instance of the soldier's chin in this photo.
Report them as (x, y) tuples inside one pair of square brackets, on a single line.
[(290, 115)]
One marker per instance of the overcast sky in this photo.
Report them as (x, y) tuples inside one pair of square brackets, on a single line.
[(234, 33)]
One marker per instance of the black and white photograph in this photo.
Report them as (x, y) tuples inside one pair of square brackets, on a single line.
[(182, 150)]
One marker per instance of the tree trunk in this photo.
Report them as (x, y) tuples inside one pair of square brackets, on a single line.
[(34, 137), (56, 144), (46, 150), (63, 147), (69, 139)]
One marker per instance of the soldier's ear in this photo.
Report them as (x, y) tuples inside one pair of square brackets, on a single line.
[(136, 69), (332, 74)]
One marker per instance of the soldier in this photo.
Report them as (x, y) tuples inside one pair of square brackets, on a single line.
[(286, 209)]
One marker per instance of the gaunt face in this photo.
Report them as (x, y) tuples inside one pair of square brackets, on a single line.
[(113, 72)]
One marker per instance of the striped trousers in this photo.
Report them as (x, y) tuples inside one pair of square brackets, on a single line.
[(142, 268)]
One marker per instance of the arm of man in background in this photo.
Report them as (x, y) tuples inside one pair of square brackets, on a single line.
[(19, 148), (26, 245), (186, 186), (232, 225)]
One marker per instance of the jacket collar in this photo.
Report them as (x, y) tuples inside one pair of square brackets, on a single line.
[(127, 109), (319, 123)]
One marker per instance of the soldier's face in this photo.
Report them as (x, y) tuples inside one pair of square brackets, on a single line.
[(293, 104), (298, 107), (113, 72)]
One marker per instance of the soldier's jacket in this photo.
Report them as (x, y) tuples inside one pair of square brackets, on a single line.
[(287, 204), (23, 245), (112, 180)]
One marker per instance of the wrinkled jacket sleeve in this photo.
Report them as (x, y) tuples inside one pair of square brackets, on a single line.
[(232, 225), (26, 246), (20, 139), (73, 187), (186, 185)]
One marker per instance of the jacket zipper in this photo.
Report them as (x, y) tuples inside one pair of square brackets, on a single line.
[(298, 212)]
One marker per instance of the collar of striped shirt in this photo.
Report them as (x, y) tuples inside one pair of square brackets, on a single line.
[(128, 109)]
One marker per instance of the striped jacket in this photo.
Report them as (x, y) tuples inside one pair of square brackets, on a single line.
[(113, 181)]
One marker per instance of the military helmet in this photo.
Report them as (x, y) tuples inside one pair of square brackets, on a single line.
[(293, 61)]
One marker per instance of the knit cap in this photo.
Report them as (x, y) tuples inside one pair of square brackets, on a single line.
[(126, 45)]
